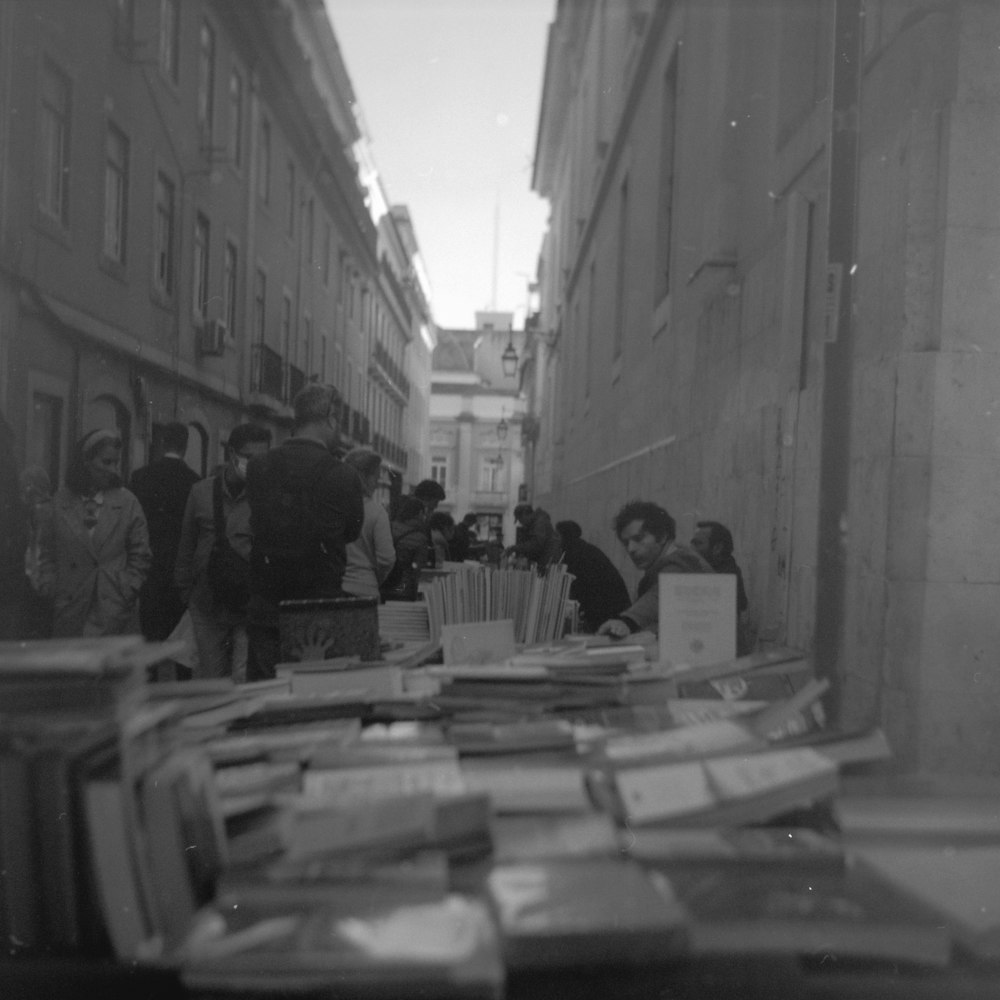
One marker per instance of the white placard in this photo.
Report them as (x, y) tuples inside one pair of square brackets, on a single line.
[(697, 618)]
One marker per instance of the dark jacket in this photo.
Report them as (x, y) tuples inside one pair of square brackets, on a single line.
[(598, 586), (162, 487), (305, 506), (541, 543)]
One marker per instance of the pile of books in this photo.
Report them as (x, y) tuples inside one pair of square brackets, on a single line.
[(580, 807), (535, 602)]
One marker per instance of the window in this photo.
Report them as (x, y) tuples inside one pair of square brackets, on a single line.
[(236, 118), (202, 243), (163, 236), (665, 206), (115, 194), (54, 152), (229, 284), (291, 198), (259, 305), (45, 433), (206, 83), (490, 472), (170, 23), (439, 469), (619, 331), (264, 164)]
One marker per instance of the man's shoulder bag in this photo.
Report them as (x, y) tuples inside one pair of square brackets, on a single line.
[(228, 571)]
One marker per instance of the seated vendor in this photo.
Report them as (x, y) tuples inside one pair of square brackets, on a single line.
[(648, 533)]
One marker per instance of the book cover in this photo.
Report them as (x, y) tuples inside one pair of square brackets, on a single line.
[(782, 845), (809, 910), (697, 618), (720, 791), (571, 913)]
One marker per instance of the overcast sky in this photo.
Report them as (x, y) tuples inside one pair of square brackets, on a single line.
[(450, 92)]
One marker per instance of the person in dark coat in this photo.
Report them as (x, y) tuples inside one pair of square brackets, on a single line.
[(306, 505), (162, 487), (409, 536), (460, 547), (597, 585), (539, 542)]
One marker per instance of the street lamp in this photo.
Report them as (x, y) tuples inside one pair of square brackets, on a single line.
[(509, 357), (502, 430)]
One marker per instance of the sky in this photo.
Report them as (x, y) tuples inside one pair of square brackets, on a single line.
[(449, 92)]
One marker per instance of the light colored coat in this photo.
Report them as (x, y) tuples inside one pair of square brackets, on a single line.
[(372, 555), (94, 579)]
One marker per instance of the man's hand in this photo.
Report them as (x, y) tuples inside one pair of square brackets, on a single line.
[(615, 628)]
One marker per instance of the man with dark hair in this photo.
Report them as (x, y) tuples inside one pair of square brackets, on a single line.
[(597, 585), (539, 542), (714, 542), (217, 601), (430, 492), (648, 533), (162, 488), (305, 506)]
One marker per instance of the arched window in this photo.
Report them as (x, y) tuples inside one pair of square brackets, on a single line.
[(197, 449)]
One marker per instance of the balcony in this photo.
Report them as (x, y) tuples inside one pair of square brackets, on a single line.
[(267, 376)]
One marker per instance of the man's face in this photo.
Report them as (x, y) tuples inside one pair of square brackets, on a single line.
[(643, 548), (240, 459)]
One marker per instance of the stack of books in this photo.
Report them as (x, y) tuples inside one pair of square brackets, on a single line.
[(536, 603), (404, 621)]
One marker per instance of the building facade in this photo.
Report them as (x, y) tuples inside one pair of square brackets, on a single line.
[(477, 418), (184, 232), (767, 297)]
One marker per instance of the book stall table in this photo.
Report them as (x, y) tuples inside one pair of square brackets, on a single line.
[(578, 821)]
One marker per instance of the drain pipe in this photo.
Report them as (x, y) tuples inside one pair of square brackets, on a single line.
[(835, 433)]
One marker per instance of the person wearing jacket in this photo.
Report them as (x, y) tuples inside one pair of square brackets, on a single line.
[(409, 538), (371, 556), (94, 546), (648, 533), (219, 628), (540, 542)]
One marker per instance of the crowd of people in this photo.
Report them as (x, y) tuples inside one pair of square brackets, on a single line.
[(297, 521)]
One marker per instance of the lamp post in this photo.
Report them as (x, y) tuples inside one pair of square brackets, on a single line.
[(509, 357), (502, 430)]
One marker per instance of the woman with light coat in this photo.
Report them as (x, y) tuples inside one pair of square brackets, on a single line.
[(372, 555), (94, 546)]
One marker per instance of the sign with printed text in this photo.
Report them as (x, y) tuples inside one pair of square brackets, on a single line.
[(697, 618)]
